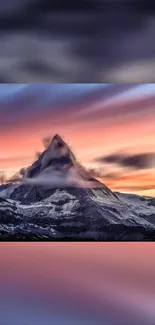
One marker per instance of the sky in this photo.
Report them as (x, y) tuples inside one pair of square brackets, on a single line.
[(109, 127), (81, 41), (80, 284)]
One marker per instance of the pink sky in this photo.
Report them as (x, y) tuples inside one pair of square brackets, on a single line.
[(94, 123), (85, 278)]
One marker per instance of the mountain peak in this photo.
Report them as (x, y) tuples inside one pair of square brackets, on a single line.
[(57, 156), (57, 139)]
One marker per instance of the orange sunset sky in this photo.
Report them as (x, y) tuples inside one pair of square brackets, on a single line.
[(109, 127)]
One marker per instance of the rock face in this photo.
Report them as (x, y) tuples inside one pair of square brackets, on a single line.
[(59, 199)]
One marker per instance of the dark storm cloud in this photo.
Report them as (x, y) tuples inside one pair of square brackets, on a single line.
[(96, 172), (101, 173), (111, 159), (139, 161), (76, 41)]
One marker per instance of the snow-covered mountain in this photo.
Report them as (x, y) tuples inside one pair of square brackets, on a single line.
[(58, 199)]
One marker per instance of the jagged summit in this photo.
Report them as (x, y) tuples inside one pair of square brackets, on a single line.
[(59, 148), (57, 139), (57, 142), (57, 156)]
